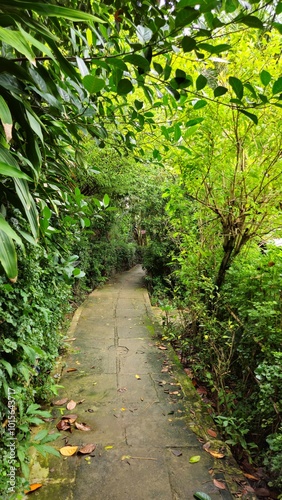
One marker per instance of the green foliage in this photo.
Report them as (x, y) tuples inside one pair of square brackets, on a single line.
[(273, 459)]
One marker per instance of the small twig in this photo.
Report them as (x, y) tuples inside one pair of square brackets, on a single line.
[(234, 316)]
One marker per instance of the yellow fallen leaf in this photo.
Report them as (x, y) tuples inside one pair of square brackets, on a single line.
[(68, 451), (216, 454), (108, 447), (125, 457), (123, 409), (137, 376), (33, 487)]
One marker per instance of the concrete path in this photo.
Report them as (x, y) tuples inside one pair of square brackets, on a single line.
[(133, 404)]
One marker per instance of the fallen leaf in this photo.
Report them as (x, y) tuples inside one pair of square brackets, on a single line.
[(71, 370), (206, 446), (162, 348), (216, 454), (212, 433), (138, 377), (108, 447), (201, 390), (33, 487), (201, 496), (194, 459), (70, 340), (63, 425), (82, 427), (125, 457), (71, 405), (81, 401), (177, 453), (164, 370), (122, 389), (174, 392), (88, 448), (68, 451), (71, 417), (60, 402), (219, 484), (250, 476), (189, 372)]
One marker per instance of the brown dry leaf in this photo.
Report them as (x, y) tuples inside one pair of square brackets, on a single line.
[(177, 453), (68, 451), (162, 348), (88, 448), (164, 370), (33, 487), (70, 340), (71, 370), (71, 405), (71, 418), (219, 484), (201, 390), (174, 392), (212, 433), (60, 402), (63, 425), (216, 454), (189, 372), (206, 446), (82, 427), (250, 476)]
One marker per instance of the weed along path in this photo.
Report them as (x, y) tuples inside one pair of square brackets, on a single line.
[(123, 419)]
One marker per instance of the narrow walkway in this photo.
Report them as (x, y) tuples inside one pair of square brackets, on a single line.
[(133, 405)]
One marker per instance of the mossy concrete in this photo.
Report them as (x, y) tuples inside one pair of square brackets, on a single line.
[(146, 418)]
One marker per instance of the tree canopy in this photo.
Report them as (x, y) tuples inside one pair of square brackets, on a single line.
[(110, 70)]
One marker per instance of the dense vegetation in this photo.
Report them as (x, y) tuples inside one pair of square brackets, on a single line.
[(124, 117)]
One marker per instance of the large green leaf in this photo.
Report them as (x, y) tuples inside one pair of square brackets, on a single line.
[(6, 228), (188, 43), (8, 256), (28, 205), (93, 83), (253, 117), (201, 82), (124, 86), (144, 34), (237, 86), (6, 119), (8, 170), (18, 42), (137, 60), (43, 48), (265, 77), (219, 91), (201, 496), (277, 86), (49, 10), (185, 16), (252, 22)]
